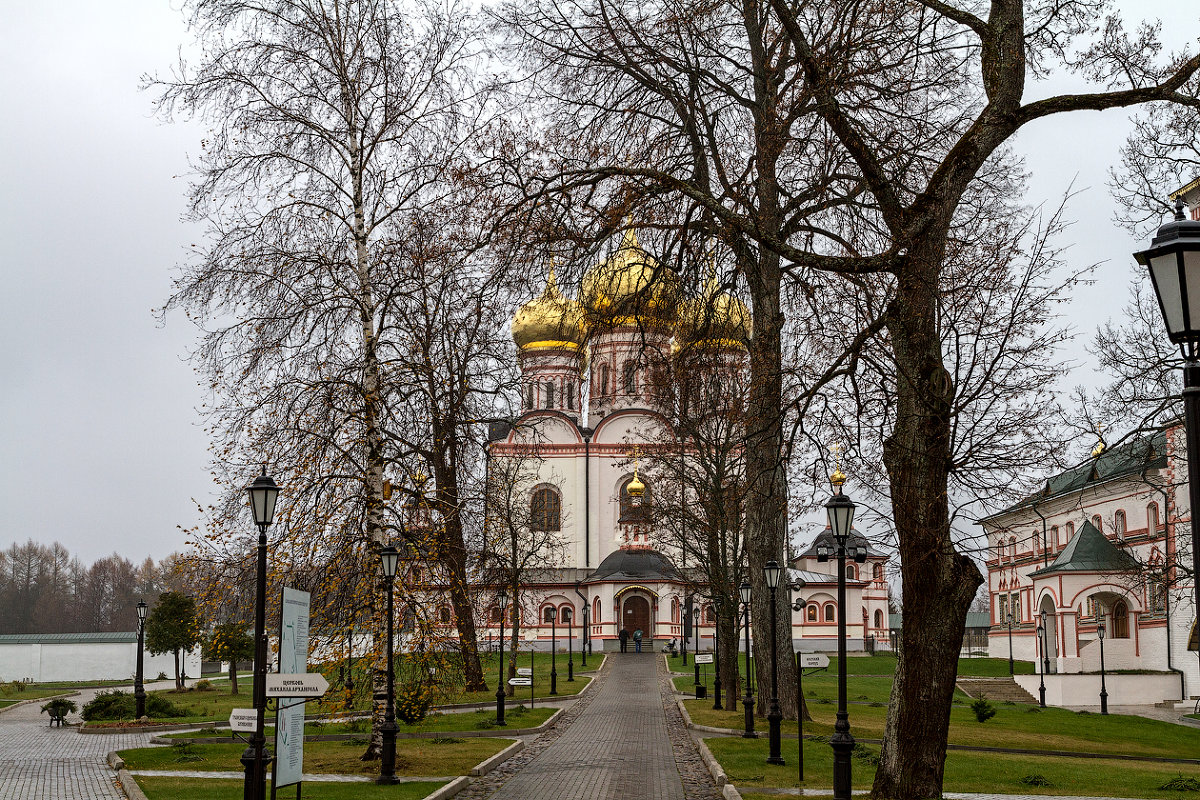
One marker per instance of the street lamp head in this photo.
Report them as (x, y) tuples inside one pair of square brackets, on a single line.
[(502, 598), (263, 493), (823, 552), (1100, 627), (840, 510), (1040, 629), (141, 610), (389, 559), (1010, 619), (771, 572), (696, 614), (744, 591), (799, 604), (552, 613), (1173, 260)]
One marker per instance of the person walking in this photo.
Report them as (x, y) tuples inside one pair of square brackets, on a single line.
[(637, 640), (624, 637)]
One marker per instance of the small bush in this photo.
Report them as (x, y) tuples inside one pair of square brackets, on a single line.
[(877, 704), (162, 676), (59, 707), (117, 705), (983, 709), (862, 697), (447, 740), (412, 703), (864, 753), (1033, 710), (1181, 784), (825, 701), (1036, 780), (358, 724), (186, 752), (204, 685), (1083, 711)]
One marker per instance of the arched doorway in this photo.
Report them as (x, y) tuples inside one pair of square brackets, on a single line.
[(1050, 637), (635, 615)]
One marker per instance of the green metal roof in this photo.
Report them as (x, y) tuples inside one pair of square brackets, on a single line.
[(120, 637), (1090, 551), (1132, 458)]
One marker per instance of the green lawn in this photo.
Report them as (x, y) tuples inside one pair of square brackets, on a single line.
[(819, 686), (744, 763), (415, 757), (1014, 726), (220, 789), (30, 691), (515, 716)]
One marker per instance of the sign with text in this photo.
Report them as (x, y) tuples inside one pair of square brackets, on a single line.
[(293, 664), (243, 720), (520, 681), (704, 658), (296, 684), (814, 660), (526, 671)]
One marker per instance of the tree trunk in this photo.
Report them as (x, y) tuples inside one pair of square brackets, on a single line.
[(727, 642), (766, 496), (233, 677), (455, 558), (938, 583), (178, 674)]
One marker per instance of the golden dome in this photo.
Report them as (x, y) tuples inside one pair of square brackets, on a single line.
[(549, 321), (635, 487), (630, 287), (718, 319)]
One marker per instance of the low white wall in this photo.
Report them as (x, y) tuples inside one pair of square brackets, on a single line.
[(1084, 690), (85, 661)]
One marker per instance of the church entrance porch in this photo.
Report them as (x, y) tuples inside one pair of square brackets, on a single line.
[(635, 615)]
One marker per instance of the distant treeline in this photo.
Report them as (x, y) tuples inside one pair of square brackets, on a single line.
[(43, 589)]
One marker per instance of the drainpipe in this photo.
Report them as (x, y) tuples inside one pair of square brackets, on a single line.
[(587, 520), (1045, 550)]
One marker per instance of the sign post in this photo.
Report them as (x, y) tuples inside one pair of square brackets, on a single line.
[(292, 681)]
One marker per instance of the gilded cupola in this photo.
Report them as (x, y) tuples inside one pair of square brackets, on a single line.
[(630, 287), (550, 321), (716, 319)]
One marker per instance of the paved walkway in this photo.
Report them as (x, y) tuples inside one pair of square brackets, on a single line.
[(624, 741), (38, 762)]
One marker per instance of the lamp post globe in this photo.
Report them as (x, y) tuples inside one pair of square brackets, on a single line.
[(1173, 260), (771, 571), (748, 700), (139, 686), (263, 493), (840, 510)]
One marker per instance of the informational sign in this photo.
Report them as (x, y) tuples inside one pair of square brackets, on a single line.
[(814, 660), (292, 680), (520, 681), (243, 720), (704, 658), (525, 671)]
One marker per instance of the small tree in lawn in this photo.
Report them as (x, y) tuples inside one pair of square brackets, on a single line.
[(173, 627), (230, 642)]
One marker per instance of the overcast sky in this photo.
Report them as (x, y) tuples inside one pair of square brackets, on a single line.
[(100, 443)]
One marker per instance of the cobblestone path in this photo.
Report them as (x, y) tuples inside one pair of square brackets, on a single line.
[(625, 740), (38, 762)]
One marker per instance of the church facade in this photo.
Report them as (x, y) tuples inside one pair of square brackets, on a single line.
[(597, 412)]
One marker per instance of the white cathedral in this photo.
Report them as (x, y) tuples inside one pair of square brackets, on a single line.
[(592, 374)]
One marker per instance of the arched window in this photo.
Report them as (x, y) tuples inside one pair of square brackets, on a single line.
[(1152, 519), (877, 572), (812, 612), (494, 615), (879, 618), (630, 377), (1053, 537), (548, 614), (851, 572), (1070, 534), (602, 379), (710, 615), (596, 611), (443, 615), (545, 510), (1012, 548), (674, 610), (864, 615), (529, 395), (1098, 523), (829, 612), (549, 395), (1120, 620), (1119, 524), (566, 615), (632, 509), (570, 395)]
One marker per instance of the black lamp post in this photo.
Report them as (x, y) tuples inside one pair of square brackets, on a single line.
[(502, 599), (350, 663), (1044, 662), (1010, 652), (799, 606), (774, 716), (696, 633), (139, 687), (687, 621), (263, 494), (389, 558), (717, 660), (1174, 263), (569, 618), (748, 700), (841, 516), (552, 612), (583, 648), (1103, 688)]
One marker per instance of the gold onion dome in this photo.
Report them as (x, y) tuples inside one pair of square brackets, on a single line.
[(630, 287), (550, 321), (635, 487), (718, 319), (838, 478)]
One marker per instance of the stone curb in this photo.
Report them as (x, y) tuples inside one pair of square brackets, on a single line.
[(45, 699), (489, 764), (149, 728), (125, 781), (730, 792), (444, 793), (713, 765)]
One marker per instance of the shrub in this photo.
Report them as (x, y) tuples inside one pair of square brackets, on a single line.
[(60, 707), (983, 709), (116, 704), (1036, 780), (204, 685), (162, 676), (412, 703), (1181, 784)]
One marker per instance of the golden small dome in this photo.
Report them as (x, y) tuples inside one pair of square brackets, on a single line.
[(550, 321), (635, 487), (718, 319), (838, 478), (630, 287)]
